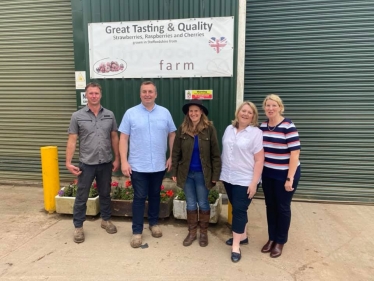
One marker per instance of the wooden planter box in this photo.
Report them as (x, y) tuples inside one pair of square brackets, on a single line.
[(123, 208), (180, 210), (65, 205)]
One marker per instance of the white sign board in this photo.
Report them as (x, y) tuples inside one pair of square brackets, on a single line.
[(83, 98), (200, 47), (80, 79)]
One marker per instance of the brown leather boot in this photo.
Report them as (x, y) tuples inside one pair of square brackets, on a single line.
[(192, 228), (277, 250), (268, 246), (204, 217)]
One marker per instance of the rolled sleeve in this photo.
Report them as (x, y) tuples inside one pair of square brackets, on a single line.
[(258, 142), (125, 126), (73, 127)]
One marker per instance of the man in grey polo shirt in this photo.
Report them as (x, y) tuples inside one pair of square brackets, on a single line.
[(96, 128), (148, 127)]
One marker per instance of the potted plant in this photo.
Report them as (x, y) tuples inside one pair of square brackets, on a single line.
[(66, 197), (122, 198), (215, 201)]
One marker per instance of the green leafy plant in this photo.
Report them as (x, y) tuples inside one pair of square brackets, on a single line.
[(71, 190), (123, 193), (181, 195), (165, 195), (212, 196), (127, 192)]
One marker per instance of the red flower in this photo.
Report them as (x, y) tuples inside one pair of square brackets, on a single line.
[(170, 193), (162, 187), (128, 183), (114, 184), (94, 185)]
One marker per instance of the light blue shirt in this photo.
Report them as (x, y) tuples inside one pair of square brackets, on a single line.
[(148, 133)]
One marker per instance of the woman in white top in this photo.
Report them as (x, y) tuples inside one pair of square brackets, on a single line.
[(242, 163)]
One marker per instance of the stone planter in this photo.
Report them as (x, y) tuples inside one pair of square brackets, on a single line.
[(123, 208), (65, 205), (180, 211)]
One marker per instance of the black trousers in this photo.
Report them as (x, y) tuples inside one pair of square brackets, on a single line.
[(103, 175), (146, 185), (239, 200), (278, 208)]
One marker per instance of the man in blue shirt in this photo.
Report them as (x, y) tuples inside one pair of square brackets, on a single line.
[(147, 127)]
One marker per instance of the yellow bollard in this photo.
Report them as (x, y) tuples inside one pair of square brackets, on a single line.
[(229, 213), (51, 176)]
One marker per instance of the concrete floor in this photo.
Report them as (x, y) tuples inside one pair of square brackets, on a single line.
[(327, 242)]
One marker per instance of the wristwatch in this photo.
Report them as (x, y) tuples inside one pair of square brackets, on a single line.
[(288, 179)]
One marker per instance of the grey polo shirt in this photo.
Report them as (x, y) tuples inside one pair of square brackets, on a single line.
[(94, 132)]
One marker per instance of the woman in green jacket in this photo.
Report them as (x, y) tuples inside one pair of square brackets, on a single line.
[(196, 166)]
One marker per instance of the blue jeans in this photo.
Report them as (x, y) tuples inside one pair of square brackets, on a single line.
[(278, 208), (103, 175), (239, 200), (146, 185), (196, 192)]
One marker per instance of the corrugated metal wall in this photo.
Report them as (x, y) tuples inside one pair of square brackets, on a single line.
[(37, 94), (121, 94), (318, 56)]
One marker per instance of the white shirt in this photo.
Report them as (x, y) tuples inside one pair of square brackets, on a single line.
[(238, 150)]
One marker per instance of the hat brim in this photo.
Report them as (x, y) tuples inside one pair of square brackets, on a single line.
[(187, 106)]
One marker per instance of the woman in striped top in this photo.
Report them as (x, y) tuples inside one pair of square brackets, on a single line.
[(281, 172)]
